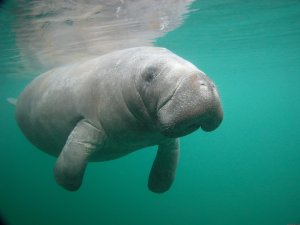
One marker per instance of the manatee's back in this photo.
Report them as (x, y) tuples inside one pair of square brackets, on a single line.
[(46, 112)]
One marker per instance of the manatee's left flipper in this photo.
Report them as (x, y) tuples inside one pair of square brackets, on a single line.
[(82, 142), (164, 166)]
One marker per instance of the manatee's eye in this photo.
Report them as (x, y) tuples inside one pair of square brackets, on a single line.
[(150, 73)]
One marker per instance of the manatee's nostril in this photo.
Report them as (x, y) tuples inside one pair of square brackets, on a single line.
[(203, 86)]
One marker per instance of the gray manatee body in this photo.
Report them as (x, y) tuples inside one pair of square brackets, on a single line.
[(107, 107)]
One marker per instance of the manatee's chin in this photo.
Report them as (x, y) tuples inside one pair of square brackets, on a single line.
[(182, 130), (173, 132)]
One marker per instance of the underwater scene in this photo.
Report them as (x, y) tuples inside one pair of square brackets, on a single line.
[(245, 171)]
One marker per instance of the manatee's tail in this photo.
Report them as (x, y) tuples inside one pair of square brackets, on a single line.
[(12, 101)]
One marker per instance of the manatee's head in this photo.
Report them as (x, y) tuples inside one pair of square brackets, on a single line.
[(181, 98), (194, 103)]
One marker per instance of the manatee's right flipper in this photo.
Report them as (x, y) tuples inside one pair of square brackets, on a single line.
[(164, 166), (82, 142)]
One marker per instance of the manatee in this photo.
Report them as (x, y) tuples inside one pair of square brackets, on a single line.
[(107, 107)]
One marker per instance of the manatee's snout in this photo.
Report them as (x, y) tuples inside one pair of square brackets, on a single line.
[(213, 120), (212, 115), (195, 104)]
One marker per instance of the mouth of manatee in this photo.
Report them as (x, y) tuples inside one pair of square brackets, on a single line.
[(180, 131)]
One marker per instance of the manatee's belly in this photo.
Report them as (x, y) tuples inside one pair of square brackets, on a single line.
[(117, 147), (47, 136)]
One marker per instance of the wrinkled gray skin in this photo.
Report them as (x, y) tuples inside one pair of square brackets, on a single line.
[(115, 104)]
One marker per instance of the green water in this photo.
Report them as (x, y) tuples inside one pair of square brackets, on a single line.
[(246, 172)]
